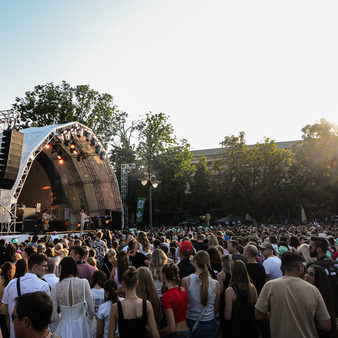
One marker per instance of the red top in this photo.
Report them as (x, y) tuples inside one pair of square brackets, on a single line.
[(176, 299)]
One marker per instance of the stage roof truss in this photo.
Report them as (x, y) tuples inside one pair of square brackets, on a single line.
[(65, 131)]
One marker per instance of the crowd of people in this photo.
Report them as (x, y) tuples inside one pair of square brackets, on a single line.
[(192, 281)]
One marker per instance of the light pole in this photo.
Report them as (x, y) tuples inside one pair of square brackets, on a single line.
[(150, 179)]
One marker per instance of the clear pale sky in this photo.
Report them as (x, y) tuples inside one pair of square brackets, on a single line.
[(265, 67)]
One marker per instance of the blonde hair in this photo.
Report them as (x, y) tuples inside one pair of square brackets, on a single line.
[(92, 261), (145, 289), (227, 263), (240, 277), (203, 262), (142, 238), (112, 253), (158, 259), (58, 247), (212, 240)]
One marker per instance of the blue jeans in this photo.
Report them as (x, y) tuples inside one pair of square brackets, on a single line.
[(204, 328), (181, 334)]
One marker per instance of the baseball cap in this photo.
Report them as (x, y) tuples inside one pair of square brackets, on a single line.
[(282, 249), (14, 241), (266, 245), (186, 247)]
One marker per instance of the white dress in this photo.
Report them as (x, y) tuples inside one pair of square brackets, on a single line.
[(73, 321)]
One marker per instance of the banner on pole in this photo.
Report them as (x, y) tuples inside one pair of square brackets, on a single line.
[(140, 208)]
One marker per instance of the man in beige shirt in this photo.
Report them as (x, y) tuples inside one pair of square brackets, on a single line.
[(296, 307)]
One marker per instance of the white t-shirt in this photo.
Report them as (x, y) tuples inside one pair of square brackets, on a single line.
[(272, 267), (104, 314), (98, 298)]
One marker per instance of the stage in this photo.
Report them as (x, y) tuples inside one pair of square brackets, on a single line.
[(63, 169)]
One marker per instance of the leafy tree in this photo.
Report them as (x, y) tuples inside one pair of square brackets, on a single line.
[(317, 175), (155, 135), (55, 104), (200, 190), (255, 180)]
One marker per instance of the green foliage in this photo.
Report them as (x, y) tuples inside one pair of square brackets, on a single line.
[(56, 104), (155, 135)]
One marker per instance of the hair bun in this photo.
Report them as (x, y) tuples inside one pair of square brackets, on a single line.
[(132, 271)]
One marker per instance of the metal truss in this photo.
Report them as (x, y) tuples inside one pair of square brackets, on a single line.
[(125, 168), (10, 227), (8, 119)]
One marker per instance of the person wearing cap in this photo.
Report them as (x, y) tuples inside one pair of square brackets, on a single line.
[(282, 249), (271, 262), (185, 266)]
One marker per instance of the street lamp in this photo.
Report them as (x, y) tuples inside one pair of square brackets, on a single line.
[(152, 182)]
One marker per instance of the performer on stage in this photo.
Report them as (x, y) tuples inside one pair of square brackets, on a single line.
[(46, 217), (84, 218)]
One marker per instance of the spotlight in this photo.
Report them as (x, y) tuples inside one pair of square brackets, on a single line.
[(72, 147), (74, 152), (98, 149), (59, 157), (93, 142), (61, 161), (66, 143), (54, 149), (102, 155), (47, 146)]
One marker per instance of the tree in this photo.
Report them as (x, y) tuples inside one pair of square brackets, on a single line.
[(155, 135), (56, 104), (174, 168), (255, 180), (317, 156)]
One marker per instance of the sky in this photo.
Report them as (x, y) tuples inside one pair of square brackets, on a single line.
[(216, 67)]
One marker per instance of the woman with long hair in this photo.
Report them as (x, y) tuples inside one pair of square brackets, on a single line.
[(108, 237), (224, 279), (175, 303), (240, 299), (203, 298), (122, 264), (145, 289), (215, 260), (103, 314), (6, 275), (158, 260), (144, 243), (74, 298), (96, 285), (133, 313), (316, 276), (212, 240)]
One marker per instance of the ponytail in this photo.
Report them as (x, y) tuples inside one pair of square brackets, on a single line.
[(203, 261), (204, 291)]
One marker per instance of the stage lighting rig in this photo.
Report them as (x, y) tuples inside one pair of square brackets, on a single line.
[(72, 148), (92, 142), (102, 155), (79, 132), (98, 149), (88, 136)]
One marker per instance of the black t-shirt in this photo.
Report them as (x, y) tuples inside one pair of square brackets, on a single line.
[(200, 246), (138, 260), (186, 268), (256, 272)]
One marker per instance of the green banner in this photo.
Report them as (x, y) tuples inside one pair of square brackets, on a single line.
[(140, 208)]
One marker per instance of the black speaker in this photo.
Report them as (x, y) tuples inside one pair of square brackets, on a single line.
[(107, 212), (116, 219), (10, 156), (29, 225)]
